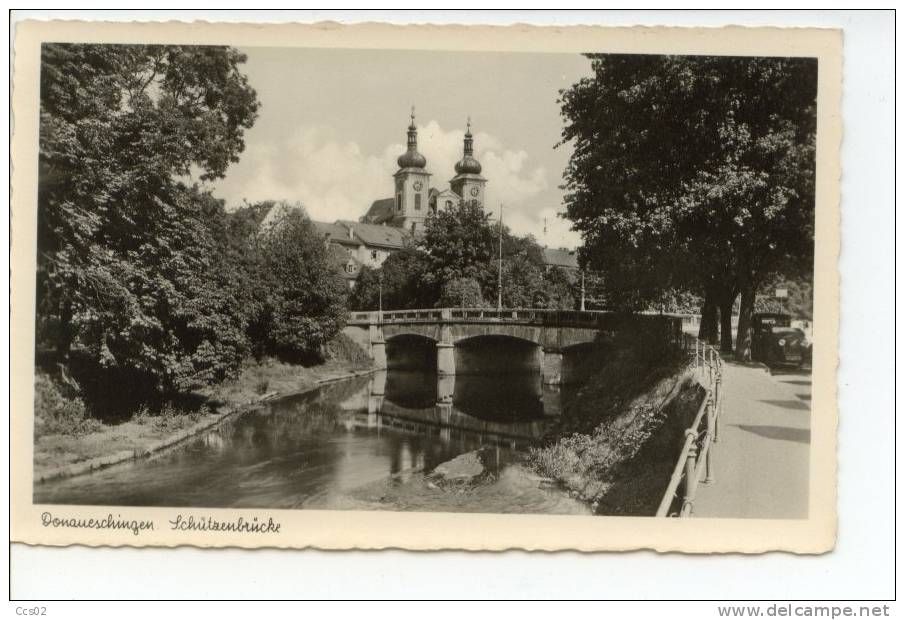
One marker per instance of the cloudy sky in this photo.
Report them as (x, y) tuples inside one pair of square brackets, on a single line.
[(333, 122)]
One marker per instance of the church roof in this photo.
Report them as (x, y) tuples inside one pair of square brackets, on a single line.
[(448, 192), (379, 235), (560, 258)]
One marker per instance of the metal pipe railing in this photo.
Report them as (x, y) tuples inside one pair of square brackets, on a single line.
[(695, 462)]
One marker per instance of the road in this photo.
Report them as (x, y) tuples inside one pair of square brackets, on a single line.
[(761, 462)]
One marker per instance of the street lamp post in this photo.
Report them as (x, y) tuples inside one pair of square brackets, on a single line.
[(499, 287), (380, 298)]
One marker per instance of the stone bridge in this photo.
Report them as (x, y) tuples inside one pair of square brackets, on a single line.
[(513, 337)]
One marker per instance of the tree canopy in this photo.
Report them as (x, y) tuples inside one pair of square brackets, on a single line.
[(144, 280), (459, 243), (303, 298), (692, 173), (456, 262), (125, 263)]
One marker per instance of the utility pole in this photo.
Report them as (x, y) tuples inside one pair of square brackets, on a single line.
[(582, 290), (380, 298), (499, 286)]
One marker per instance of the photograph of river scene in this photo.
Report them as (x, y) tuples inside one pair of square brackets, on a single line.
[(421, 280), (367, 443)]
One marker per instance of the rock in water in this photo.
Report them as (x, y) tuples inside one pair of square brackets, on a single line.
[(463, 467)]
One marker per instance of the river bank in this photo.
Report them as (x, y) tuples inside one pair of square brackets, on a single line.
[(375, 444), (615, 444), (62, 454)]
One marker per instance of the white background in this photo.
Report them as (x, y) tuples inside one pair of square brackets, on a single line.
[(861, 567)]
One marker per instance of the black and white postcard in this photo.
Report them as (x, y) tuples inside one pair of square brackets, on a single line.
[(425, 287)]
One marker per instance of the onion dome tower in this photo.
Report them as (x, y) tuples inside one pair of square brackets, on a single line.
[(412, 158), (412, 182), (468, 182)]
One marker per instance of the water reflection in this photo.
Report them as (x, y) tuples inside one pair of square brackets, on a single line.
[(312, 450), (511, 409)]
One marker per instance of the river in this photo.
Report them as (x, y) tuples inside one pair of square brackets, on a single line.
[(370, 443)]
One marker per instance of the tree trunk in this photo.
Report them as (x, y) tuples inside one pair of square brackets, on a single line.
[(64, 345), (64, 341), (708, 329), (743, 339), (726, 303)]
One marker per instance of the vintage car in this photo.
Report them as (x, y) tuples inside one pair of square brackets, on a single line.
[(776, 343)]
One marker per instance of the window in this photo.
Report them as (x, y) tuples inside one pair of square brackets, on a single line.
[(448, 204), (417, 202), (374, 254), (350, 268), (399, 202), (413, 227)]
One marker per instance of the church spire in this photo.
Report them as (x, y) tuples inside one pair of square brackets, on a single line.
[(469, 140), (412, 158), (468, 164), (413, 133)]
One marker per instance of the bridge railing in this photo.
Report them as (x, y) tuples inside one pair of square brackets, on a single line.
[(695, 462), (657, 330), (595, 319)]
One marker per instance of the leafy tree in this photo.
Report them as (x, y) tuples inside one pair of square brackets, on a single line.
[(523, 283), (304, 301), (799, 304), (401, 278), (460, 248), (404, 280), (126, 258), (366, 294), (693, 174), (559, 290), (459, 243), (461, 293)]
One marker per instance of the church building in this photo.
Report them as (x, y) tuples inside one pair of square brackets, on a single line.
[(398, 221), (414, 199)]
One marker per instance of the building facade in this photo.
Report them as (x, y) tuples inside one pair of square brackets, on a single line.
[(397, 221), (414, 200), (394, 222)]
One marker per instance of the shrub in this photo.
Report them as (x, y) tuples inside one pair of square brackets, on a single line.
[(461, 292), (143, 416), (57, 414), (261, 386), (341, 348), (590, 461), (170, 417)]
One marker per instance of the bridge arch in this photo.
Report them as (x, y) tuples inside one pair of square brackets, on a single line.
[(467, 331), (411, 351), (497, 353), (558, 334), (431, 331)]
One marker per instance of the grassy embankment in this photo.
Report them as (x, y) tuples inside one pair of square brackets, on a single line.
[(617, 441), (66, 435)]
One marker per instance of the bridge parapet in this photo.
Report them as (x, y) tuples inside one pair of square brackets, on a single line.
[(555, 331), (598, 319)]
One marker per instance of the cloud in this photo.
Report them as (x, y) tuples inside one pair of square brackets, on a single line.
[(331, 178), (335, 179)]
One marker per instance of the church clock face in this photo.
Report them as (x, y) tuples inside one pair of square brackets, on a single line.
[(475, 191), (418, 186)]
